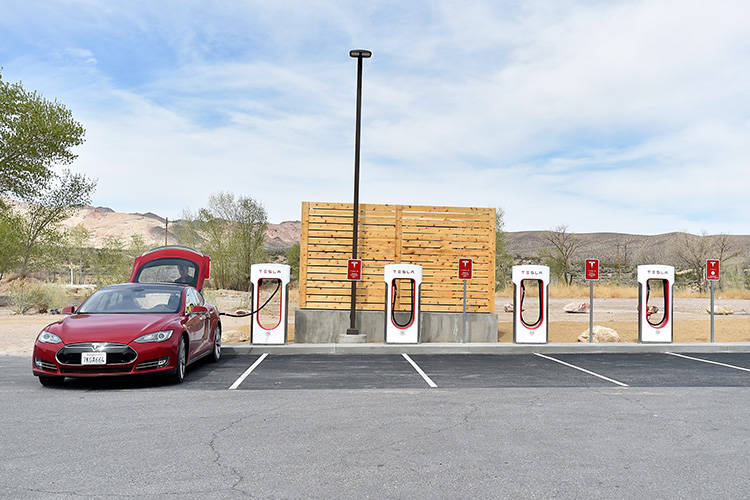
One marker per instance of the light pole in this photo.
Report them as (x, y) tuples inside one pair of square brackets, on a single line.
[(358, 54)]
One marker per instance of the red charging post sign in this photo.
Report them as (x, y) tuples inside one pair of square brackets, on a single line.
[(354, 269), (465, 269), (712, 269), (592, 269)]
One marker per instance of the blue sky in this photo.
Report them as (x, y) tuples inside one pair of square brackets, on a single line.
[(605, 116)]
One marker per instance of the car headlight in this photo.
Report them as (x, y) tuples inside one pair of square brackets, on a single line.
[(48, 338), (155, 337)]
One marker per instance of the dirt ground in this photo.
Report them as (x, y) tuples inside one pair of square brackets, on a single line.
[(692, 321), (17, 333)]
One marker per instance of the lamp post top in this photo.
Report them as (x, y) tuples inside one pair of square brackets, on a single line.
[(360, 53)]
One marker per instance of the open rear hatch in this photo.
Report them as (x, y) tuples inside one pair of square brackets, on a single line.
[(172, 264)]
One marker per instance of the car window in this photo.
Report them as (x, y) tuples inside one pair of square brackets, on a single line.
[(189, 299), (199, 298), (133, 299), (168, 270)]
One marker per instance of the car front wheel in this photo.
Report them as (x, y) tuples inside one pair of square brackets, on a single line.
[(216, 354), (179, 372)]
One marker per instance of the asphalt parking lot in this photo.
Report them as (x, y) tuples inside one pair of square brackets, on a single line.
[(343, 426), (453, 371)]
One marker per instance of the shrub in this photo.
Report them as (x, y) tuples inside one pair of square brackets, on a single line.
[(55, 297), (24, 297)]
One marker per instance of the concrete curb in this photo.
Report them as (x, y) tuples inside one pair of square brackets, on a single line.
[(486, 348)]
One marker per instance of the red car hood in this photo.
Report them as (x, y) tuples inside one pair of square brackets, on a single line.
[(122, 328)]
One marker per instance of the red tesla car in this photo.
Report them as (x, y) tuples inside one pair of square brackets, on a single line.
[(157, 323)]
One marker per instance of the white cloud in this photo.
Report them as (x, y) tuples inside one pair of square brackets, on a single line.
[(611, 116), (82, 55)]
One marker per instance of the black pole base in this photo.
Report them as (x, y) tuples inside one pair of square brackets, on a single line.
[(352, 331)]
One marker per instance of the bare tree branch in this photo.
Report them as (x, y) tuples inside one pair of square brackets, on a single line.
[(565, 245)]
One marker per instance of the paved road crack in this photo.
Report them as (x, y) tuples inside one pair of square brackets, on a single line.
[(218, 459)]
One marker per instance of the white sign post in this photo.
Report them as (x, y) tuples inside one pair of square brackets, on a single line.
[(712, 274), (465, 272), (592, 274)]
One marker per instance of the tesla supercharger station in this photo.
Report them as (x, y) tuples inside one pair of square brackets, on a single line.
[(402, 288), (278, 274), (530, 304), (655, 287)]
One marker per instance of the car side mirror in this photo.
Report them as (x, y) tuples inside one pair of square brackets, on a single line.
[(69, 310), (199, 310)]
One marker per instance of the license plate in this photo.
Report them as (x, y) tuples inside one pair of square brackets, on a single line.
[(93, 358)]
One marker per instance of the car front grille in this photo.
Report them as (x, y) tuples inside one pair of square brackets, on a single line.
[(117, 354)]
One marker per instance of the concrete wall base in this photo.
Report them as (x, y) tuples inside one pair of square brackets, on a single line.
[(345, 338), (325, 325)]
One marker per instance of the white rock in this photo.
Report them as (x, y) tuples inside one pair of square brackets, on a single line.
[(721, 310), (576, 307), (601, 334)]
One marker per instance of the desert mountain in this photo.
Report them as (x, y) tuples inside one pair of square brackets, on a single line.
[(103, 223), (633, 248)]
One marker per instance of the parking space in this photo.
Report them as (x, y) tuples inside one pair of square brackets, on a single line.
[(333, 372), (220, 375), (488, 370), (661, 370), (740, 360)]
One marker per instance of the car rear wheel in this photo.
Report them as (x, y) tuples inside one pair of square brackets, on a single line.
[(216, 354), (48, 381), (179, 372)]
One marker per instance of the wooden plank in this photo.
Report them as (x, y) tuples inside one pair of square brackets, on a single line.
[(303, 251), (492, 265), (439, 263), (420, 208), (432, 231), (455, 297), (379, 306), (397, 237), (346, 219), (363, 212), (375, 298), (343, 229)]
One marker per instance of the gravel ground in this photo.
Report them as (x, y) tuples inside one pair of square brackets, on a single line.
[(17, 333)]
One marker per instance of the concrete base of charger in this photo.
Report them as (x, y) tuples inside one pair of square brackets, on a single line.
[(327, 326)]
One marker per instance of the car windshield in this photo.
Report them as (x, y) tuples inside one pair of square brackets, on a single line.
[(133, 299)]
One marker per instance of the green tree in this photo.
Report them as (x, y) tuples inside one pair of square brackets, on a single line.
[(234, 230), (503, 259), (110, 263), (292, 258), (41, 239), (35, 135), (10, 240), (136, 247), (187, 230), (216, 232), (77, 251)]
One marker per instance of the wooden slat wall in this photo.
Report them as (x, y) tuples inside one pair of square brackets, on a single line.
[(434, 237)]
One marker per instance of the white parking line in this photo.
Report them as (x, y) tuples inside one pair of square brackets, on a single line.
[(419, 370), (248, 372), (583, 370), (708, 361)]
